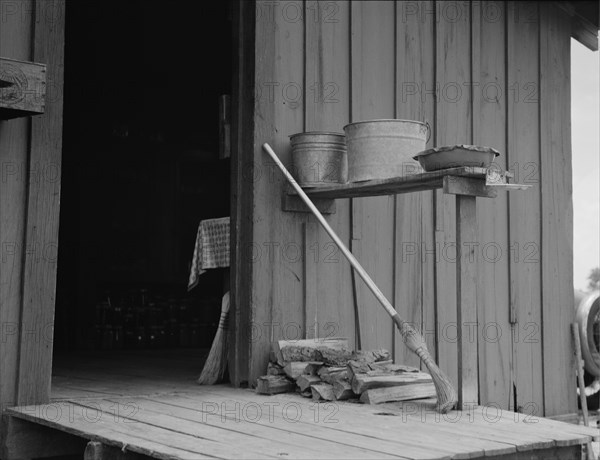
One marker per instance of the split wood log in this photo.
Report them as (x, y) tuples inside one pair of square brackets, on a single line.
[(304, 382), (306, 350), (275, 369), (322, 391), (274, 384), (331, 374), (342, 390), (373, 356), (342, 358), (362, 367), (363, 382), (398, 393), (313, 368), (295, 369)]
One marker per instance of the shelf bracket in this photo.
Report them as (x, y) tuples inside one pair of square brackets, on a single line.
[(22, 88), (455, 185)]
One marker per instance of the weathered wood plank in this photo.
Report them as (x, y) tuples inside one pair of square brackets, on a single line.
[(344, 430), (242, 189), (209, 438), (410, 430), (481, 430), (373, 47), (556, 212), (453, 126), (414, 72), (269, 428), (395, 185), (311, 307), (15, 42), (466, 300), (318, 431), (277, 278), (97, 426), (43, 203), (489, 128), (523, 161), (22, 88), (327, 100)]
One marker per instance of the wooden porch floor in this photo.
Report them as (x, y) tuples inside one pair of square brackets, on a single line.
[(148, 403)]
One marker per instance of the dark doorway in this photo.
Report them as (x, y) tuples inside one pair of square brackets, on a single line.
[(141, 169)]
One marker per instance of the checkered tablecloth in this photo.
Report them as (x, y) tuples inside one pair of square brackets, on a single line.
[(212, 248)]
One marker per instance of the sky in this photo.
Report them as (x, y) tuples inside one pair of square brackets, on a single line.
[(585, 131)]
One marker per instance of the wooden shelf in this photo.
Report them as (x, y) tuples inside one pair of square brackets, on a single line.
[(22, 88), (406, 184), (464, 180)]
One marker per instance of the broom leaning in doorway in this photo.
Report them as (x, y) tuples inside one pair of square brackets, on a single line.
[(212, 251), (216, 362)]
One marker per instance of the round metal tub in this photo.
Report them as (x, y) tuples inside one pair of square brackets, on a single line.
[(319, 158), (380, 149)]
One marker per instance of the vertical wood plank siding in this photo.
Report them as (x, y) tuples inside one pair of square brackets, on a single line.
[(556, 211), (43, 202), (30, 165), (493, 73), (489, 128), (523, 153), (327, 96), (415, 61), (372, 97), (15, 42)]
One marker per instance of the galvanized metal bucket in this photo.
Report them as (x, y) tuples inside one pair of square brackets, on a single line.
[(319, 158), (380, 149)]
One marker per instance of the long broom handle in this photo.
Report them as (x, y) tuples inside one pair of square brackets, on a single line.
[(446, 395), (355, 263)]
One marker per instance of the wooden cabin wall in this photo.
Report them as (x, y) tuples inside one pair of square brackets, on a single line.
[(30, 158), (492, 73)]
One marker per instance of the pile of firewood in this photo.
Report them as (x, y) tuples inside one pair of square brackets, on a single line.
[(328, 370)]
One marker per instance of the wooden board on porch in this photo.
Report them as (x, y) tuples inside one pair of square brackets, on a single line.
[(148, 403)]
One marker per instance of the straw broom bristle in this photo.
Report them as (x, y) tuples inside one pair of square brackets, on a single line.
[(446, 394), (216, 362)]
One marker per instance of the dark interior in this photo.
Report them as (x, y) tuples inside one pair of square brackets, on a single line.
[(141, 168)]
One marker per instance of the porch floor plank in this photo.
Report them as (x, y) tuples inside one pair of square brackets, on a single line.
[(149, 403)]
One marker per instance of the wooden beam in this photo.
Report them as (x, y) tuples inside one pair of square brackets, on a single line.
[(466, 300), (405, 184), (582, 29), (242, 189), (22, 88), (310, 237), (22, 439), (467, 186), (98, 451), (556, 214), (290, 203), (43, 203)]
